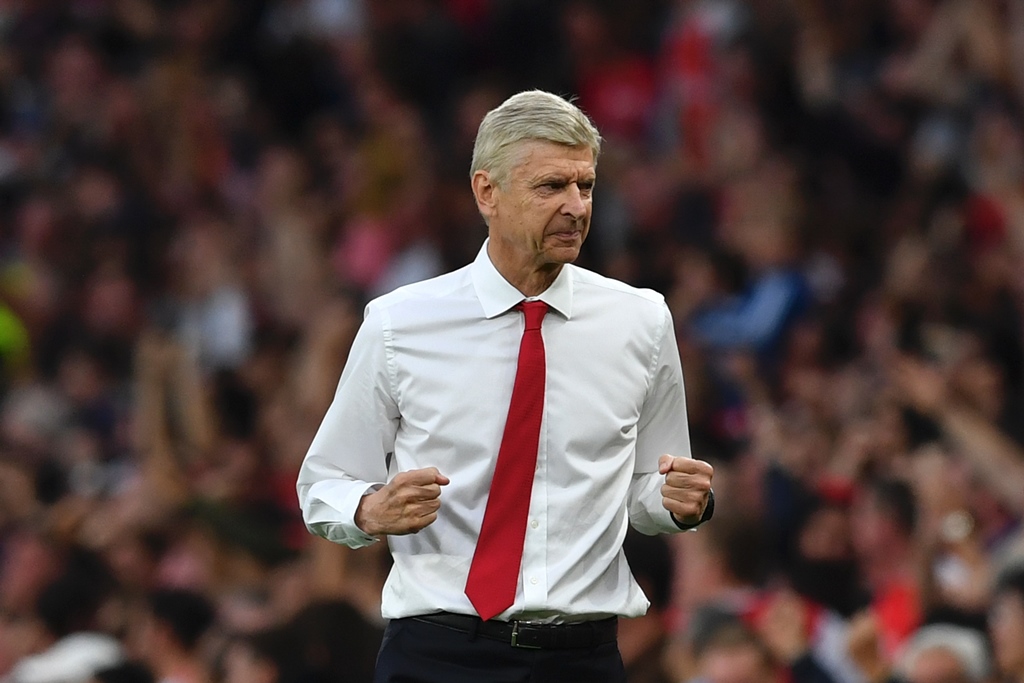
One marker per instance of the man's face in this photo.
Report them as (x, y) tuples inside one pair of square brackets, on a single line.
[(937, 665), (1006, 624), (540, 216), (738, 663)]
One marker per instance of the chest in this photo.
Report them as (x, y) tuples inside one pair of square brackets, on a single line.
[(597, 371)]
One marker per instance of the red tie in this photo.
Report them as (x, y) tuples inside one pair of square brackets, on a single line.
[(494, 574)]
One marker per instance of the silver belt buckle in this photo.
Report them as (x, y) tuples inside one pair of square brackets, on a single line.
[(515, 638)]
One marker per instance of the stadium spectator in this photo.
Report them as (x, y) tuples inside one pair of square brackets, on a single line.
[(1006, 619), (171, 635), (198, 197)]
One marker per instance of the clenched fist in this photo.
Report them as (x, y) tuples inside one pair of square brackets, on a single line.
[(406, 504), (687, 487)]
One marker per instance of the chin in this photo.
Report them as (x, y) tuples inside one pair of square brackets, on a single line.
[(563, 255), (564, 251)]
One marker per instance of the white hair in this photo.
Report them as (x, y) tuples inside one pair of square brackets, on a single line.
[(529, 115), (966, 645)]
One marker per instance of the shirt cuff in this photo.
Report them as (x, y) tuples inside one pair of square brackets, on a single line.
[(709, 512), (338, 524)]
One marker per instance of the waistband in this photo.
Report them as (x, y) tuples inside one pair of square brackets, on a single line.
[(528, 634)]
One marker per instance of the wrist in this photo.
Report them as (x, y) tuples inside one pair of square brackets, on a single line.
[(364, 518), (709, 511)]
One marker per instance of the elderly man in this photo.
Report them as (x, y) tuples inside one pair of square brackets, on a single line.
[(1006, 624), (943, 653), (503, 424)]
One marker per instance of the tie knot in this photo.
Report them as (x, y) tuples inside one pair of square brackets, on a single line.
[(534, 312)]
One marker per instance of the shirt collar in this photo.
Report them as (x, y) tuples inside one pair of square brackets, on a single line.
[(497, 295)]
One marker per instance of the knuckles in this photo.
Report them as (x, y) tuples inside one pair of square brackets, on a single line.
[(681, 480), (682, 509), (685, 493), (692, 466)]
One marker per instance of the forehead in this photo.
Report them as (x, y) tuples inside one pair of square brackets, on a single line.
[(937, 665), (540, 157), (1009, 603)]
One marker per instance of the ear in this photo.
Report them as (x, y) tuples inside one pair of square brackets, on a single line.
[(485, 191)]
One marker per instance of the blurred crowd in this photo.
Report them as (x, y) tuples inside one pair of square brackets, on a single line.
[(197, 197)]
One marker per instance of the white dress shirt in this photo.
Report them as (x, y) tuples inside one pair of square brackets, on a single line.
[(428, 383)]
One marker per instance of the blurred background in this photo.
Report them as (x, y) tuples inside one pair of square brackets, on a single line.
[(197, 197)]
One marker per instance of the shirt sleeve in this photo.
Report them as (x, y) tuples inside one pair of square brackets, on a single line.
[(755, 321), (662, 428), (349, 455)]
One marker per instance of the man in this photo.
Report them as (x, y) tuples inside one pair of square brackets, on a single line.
[(884, 521), (1006, 624), (728, 651), (544, 400), (74, 645), (944, 653), (172, 632)]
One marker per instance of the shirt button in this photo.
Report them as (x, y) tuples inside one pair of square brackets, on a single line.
[(533, 580), (534, 524)]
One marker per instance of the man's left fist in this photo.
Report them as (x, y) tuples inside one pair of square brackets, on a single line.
[(687, 488)]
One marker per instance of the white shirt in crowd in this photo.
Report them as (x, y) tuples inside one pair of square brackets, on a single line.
[(428, 383), (72, 659)]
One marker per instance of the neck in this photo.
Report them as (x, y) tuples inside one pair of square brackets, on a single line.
[(534, 283), (529, 278), (888, 567)]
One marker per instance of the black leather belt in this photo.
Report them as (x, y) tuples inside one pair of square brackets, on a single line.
[(528, 634)]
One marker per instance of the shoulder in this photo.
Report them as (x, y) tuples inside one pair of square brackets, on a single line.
[(615, 292), (618, 309), (413, 295)]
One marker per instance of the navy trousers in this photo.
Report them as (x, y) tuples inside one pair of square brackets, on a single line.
[(414, 651)]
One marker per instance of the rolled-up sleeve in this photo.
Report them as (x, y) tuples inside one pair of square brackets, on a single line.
[(348, 457), (662, 428)]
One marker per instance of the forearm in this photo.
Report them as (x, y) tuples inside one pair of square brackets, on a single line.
[(192, 402), (329, 503), (162, 474), (647, 512), (347, 458), (999, 461)]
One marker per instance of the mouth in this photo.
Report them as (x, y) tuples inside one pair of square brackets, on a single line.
[(567, 235)]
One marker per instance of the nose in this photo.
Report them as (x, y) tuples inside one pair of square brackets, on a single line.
[(575, 205)]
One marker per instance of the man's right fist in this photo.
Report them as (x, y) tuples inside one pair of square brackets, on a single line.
[(406, 504)]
